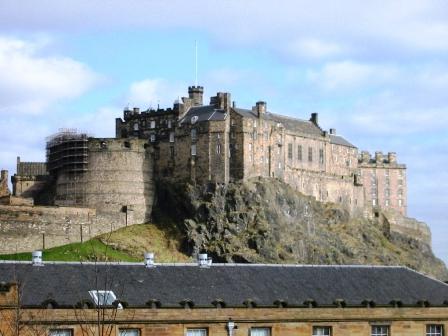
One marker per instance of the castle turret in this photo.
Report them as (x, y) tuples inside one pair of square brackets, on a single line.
[(195, 93)]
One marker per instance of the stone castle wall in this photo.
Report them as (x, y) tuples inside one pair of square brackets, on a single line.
[(118, 182)]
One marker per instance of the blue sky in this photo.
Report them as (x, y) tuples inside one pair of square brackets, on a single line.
[(376, 71)]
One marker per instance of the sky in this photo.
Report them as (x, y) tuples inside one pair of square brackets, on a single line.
[(377, 71)]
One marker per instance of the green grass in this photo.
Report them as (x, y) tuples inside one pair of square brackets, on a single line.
[(92, 250)]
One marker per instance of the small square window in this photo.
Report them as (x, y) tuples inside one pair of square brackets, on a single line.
[(321, 331), (380, 330), (60, 332), (260, 331)]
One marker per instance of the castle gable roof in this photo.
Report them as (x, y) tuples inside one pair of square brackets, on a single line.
[(291, 124), (69, 283), (338, 140), (204, 113)]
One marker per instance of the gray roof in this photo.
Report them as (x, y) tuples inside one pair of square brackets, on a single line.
[(338, 140), (204, 113), (69, 283), (291, 124)]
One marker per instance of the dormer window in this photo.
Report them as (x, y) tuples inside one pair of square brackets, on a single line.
[(103, 298)]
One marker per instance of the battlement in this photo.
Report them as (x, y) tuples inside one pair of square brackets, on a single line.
[(379, 159)]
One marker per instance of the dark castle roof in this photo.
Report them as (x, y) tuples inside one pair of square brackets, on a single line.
[(69, 283), (291, 124), (204, 113), (338, 140)]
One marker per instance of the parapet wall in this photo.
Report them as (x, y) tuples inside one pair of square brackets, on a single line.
[(408, 227)]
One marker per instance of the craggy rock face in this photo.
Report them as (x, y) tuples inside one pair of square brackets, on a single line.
[(266, 221)]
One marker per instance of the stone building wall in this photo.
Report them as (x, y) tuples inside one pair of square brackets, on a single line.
[(118, 181), (384, 181), (30, 180), (4, 190), (402, 321)]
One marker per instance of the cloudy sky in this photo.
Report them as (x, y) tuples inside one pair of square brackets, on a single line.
[(377, 71)]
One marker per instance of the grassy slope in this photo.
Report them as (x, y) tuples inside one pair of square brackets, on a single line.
[(126, 244)]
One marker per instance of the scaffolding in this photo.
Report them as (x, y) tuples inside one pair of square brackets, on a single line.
[(67, 154)]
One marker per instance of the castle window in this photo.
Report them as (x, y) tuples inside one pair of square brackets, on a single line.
[(169, 123), (136, 127), (387, 192), (380, 330), (434, 330), (193, 134), (386, 172), (310, 154), (266, 135), (255, 123), (321, 331), (254, 135), (218, 149), (193, 150), (387, 202), (290, 151), (153, 124), (400, 202), (299, 152), (232, 135), (171, 136), (400, 192), (400, 182), (321, 156), (127, 144), (400, 173), (153, 138), (232, 122), (374, 202), (218, 136), (172, 152)]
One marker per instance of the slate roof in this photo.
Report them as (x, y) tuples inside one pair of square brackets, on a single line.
[(204, 113), (69, 283), (291, 124), (338, 140)]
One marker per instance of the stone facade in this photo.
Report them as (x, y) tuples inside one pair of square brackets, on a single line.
[(30, 179), (219, 143), (384, 181), (4, 190)]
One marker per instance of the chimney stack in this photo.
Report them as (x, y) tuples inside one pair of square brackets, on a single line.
[(36, 258), (260, 108), (149, 259), (333, 131), (379, 157), (392, 157), (204, 261), (314, 118)]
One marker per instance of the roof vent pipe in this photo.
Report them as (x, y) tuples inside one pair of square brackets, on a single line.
[(204, 261), (149, 259), (36, 258)]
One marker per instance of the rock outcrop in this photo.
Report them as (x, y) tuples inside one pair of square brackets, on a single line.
[(266, 221)]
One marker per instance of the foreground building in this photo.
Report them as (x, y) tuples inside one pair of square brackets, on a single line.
[(71, 299)]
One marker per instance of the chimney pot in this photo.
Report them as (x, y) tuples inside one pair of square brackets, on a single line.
[(37, 258)]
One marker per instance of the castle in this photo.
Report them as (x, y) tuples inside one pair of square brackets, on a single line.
[(202, 143)]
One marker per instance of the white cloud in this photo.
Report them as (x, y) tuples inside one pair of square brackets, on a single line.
[(348, 75), (313, 48), (151, 92), (29, 82)]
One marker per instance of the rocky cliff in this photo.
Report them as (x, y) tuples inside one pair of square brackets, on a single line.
[(266, 221)]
